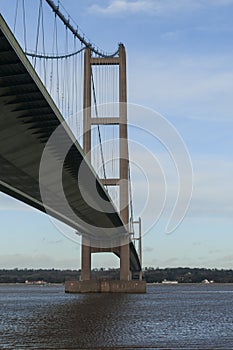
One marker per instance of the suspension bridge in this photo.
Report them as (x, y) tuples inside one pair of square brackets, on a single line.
[(63, 138)]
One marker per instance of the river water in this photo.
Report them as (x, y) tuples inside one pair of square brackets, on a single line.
[(168, 316)]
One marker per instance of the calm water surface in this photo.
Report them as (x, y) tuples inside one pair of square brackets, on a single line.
[(168, 316)]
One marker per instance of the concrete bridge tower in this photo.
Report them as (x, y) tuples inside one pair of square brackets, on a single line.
[(125, 284)]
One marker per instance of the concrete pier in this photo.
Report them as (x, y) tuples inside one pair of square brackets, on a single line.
[(111, 286)]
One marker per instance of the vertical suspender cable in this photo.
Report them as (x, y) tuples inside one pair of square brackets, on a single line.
[(57, 77), (37, 33), (98, 128), (24, 27), (43, 40), (16, 14)]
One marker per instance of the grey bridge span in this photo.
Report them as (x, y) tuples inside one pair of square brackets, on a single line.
[(28, 117)]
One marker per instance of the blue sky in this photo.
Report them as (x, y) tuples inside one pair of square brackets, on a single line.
[(179, 56)]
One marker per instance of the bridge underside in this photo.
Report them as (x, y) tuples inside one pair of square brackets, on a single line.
[(28, 118)]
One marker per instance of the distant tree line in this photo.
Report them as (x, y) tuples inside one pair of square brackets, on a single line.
[(32, 275), (188, 275), (52, 275), (150, 274)]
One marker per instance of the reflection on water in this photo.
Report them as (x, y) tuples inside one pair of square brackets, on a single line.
[(178, 316)]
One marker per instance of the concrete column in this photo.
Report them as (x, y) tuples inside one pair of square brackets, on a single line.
[(124, 160), (140, 246), (124, 156), (87, 104), (140, 276), (125, 273), (86, 259), (86, 247)]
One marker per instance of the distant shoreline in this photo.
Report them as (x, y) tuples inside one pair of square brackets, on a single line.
[(148, 284), (188, 283), (31, 284), (150, 275)]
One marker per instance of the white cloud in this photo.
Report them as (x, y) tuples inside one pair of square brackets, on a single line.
[(36, 261), (222, 2), (116, 7), (196, 86), (154, 7), (148, 249), (57, 241), (213, 188), (212, 195)]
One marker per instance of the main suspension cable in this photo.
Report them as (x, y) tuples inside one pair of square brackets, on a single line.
[(82, 39), (53, 56)]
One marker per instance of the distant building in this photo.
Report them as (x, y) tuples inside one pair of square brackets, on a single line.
[(37, 283), (205, 281), (169, 282)]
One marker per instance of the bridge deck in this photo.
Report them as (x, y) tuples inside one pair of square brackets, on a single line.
[(28, 118)]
